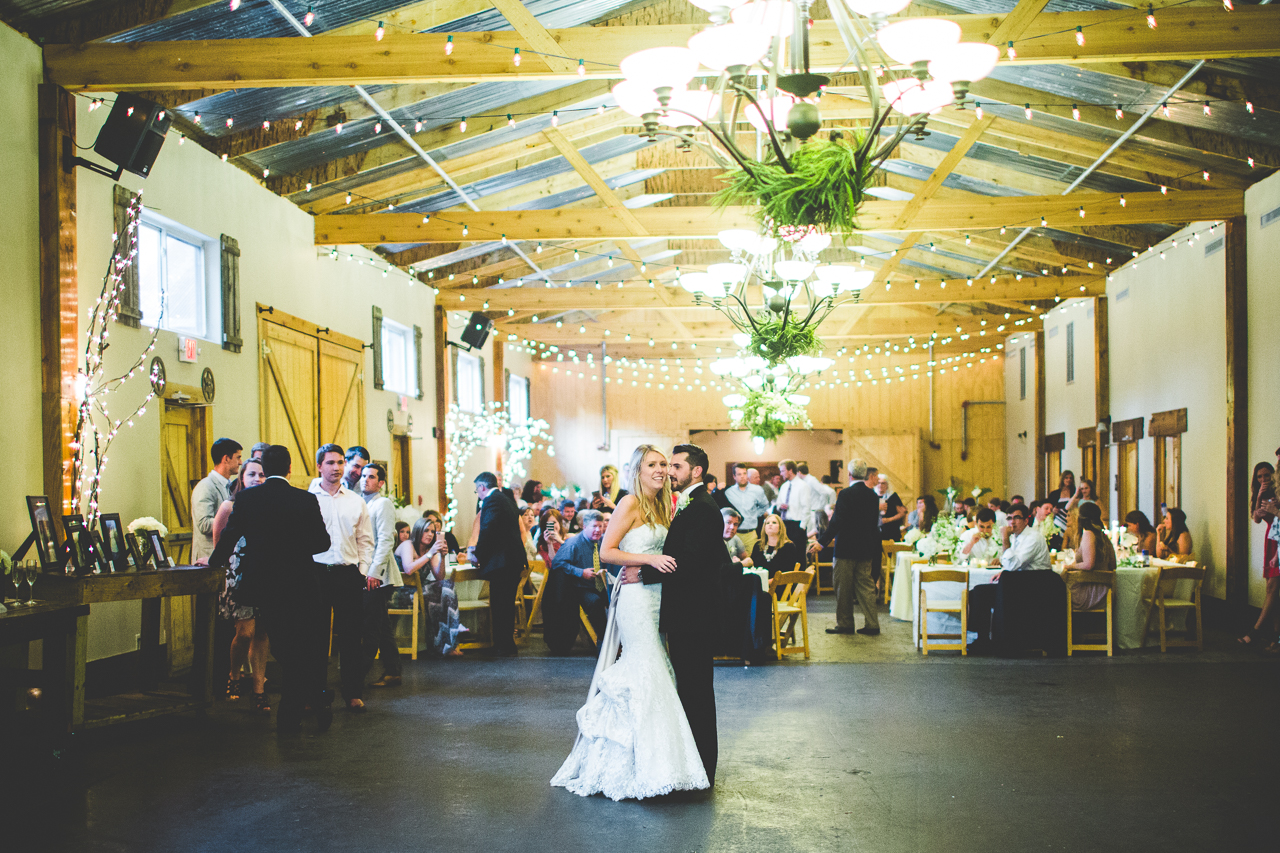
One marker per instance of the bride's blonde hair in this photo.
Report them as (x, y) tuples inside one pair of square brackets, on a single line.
[(654, 510)]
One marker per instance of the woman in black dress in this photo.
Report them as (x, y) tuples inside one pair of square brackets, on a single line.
[(773, 550)]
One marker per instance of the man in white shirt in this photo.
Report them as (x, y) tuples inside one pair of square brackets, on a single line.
[(379, 640), (980, 544), (751, 503), (1024, 550), (1002, 518), (209, 494), (346, 566), (794, 503)]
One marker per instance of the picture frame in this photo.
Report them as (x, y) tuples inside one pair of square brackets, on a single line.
[(158, 550), (137, 550), (47, 546), (115, 547), (78, 545), (103, 562)]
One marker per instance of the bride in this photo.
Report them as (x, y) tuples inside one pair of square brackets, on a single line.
[(633, 739)]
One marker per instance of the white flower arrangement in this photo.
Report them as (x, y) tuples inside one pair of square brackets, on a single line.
[(147, 523), (913, 536), (943, 537)]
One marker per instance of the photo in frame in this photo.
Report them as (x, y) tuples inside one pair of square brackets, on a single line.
[(46, 535), (78, 544), (162, 558), (100, 553), (137, 550), (115, 548)]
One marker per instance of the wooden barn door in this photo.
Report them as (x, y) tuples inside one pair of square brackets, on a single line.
[(184, 458), (341, 382), (897, 455)]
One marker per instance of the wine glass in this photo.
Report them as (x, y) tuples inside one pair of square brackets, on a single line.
[(33, 570)]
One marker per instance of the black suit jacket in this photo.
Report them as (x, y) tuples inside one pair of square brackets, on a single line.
[(283, 531), (691, 594), (855, 524), (499, 549)]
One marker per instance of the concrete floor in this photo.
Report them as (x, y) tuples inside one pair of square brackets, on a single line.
[(867, 747)]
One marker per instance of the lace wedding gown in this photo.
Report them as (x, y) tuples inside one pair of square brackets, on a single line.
[(633, 739)]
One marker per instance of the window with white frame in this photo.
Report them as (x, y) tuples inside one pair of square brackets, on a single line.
[(399, 372), (518, 398), (470, 383), (176, 287)]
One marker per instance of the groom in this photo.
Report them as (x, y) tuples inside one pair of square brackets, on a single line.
[(691, 596)]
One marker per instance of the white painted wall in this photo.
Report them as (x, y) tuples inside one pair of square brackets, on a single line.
[(1069, 405), (1020, 416), (20, 248), (1264, 319), (1168, 351)]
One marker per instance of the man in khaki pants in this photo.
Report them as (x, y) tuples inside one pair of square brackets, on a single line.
[(855, 526)]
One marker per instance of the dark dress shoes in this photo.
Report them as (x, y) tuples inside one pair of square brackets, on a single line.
[(870, 632), (840, 631)]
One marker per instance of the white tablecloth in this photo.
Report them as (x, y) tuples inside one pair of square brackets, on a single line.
[(1132, 586)]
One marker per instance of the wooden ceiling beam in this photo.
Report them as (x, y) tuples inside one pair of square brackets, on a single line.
[(975, 213), (81, 26), (1113, 36)]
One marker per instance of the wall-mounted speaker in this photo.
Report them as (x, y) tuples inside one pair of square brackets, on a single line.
[(131, 138), (477, 331)]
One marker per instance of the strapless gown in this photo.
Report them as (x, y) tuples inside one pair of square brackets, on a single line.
[(633, 738)]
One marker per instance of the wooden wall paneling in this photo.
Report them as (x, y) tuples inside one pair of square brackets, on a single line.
[(59, 296), (1238, 474), (288, 395), (439, 338), (1102, 400), (1040, 415)]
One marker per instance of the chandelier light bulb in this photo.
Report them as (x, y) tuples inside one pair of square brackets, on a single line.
[(635, 98), (918, 39), (770, 112), (876, 8), (964, 63), (730, 46), (659, 67), (776, 17), (911, 97)]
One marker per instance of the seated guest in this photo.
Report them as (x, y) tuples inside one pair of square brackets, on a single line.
[(450, 541), (1140, 527), (732, 541), (773, 551), (997, 506), (550, 534), (1174, 538), (611, 490), (923, 515), (569, 517), (424, 552), (1095, 554), (402, 532), (1018, 499), (1045, 521), (980, 542), (532, 494), (528, 521), (1024, 550), (576, 580)]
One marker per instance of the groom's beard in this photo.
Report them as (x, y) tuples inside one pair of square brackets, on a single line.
[(678, 486)]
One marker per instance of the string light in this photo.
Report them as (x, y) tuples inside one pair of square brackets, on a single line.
[(1164, 108), (297, 125), (582, 68), (1228, 5), (1248, 105), (377, 127), (348, 198), (515, 58), (555, 118), (1075, 112), (1082, 217), (1027, 111), (308, 186), (309, 18), (197, 118), (977, 110), (266, 125), (1012, 54), (1151, 16), (511, 122), (381, 31), (1119, 113), (1207, 110), (462, 126), (1206, 176), (1080, 36), (230, 121), (337, 128), (1164, 190), (417, 126), (1122, 204), (448, 46), (1250, 162), (235, 4)]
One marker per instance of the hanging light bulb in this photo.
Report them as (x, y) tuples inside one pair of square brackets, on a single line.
[(1010, 52), (1026, 109), (348, 198), (197, 118), (230, 120), (1248, 105), (1080, 36), (555, 118), (309, 18), (1207, 110), (462, 126), (235, 4), (582, 68), (1151, 17), (379, 32), (297, 125), (448, 46), (337, 128), (377, 127), (266, 125), (1119, 112), (1122, 203), (1075, 112), (1228, 5), (511, 122), (417, 126), (515, 58), (977, 110)]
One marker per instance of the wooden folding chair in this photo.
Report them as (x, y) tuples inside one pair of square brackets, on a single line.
[(419, 606), (960, 607), (475, 605), (790, 607), (818, 588), (1090, 577), (888, 561), (1160, 601), (533, 602), (522, 606)]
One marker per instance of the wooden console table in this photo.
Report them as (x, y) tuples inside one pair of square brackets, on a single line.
[(149, 587), (56, 625)]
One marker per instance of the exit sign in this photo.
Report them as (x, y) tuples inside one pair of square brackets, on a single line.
[(187, 350)]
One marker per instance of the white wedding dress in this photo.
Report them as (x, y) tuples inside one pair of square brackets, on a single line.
[(633, 738)]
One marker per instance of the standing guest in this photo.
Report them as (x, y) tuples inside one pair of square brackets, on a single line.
[(550, 534), (357, 457), (894, 511), (250, 644), (979, 543), (738, 552), (713, 489), (773, 550), (532, 494), (577, 580), (1137, 523), (402, 532), (449, 539), (379, 641), (793, 501), (753, 477), (1095, 554), (750, 501), (528, 532), (607, 516), (1262, 508), (611, 490), (500, 559), (823, 493), (283, 528), (855, 526), (346, 567), (997, 507), (256, 452), (922, 517), (569, 517), (1062, 499), (1174, 538), (1024, 550), (425, 552), (210, 493)]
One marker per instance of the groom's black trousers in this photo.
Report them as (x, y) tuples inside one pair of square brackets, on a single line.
[(691, 659)]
